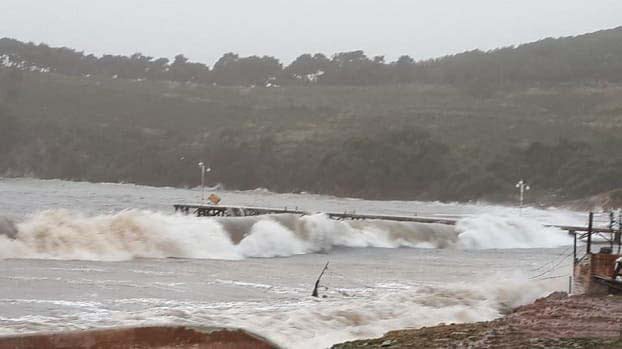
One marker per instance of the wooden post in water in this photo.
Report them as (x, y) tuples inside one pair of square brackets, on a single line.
[(317, 282), (589, 232)]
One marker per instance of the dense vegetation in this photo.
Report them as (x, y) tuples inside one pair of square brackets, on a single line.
[(588, 57), (462, 127)]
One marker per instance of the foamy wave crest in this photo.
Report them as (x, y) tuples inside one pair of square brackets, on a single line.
[(488, 232), (61, 234)]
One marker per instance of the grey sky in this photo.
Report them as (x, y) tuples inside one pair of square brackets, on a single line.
[(204, 30)]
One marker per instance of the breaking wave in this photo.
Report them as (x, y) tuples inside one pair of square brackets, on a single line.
[(377, 313), (62, 234), (303, 321)]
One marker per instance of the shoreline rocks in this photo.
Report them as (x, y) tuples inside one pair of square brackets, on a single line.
[(556, 321)]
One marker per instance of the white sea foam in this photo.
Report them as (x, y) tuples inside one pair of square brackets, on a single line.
[(311, 322), (501, 232), (61, 234)]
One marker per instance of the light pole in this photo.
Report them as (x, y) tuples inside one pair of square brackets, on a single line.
[(522, 187), (203, 171)]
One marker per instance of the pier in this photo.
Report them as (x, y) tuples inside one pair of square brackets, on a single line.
[(244, 211)]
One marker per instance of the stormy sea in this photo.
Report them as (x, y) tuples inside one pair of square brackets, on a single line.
[(79, 255)]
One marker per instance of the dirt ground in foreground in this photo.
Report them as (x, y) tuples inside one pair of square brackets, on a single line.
[(557, 321)]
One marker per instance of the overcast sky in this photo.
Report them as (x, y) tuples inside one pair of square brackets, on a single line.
[(204, 29)]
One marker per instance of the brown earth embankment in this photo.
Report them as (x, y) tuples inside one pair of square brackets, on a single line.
[(153, 337), (557, 321)]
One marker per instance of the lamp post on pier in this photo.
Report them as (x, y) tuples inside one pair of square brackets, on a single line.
[(522, 187), (204, 169)]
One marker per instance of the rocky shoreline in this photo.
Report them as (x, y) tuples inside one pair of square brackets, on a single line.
[(556, 321)]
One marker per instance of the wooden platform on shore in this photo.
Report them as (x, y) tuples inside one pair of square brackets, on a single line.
[(243, 211)]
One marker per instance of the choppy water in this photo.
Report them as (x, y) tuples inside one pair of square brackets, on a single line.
[(94, 255)]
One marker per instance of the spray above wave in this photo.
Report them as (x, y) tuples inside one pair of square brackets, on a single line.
[(61, 234), (501, 232)]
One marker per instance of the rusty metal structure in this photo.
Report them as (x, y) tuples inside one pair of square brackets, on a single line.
[(594, 271)]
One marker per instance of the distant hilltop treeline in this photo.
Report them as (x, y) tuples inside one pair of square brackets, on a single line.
[(596, 56), (463, 127)]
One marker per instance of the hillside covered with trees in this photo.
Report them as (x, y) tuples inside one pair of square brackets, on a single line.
[(587, 57), (461, 127)]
